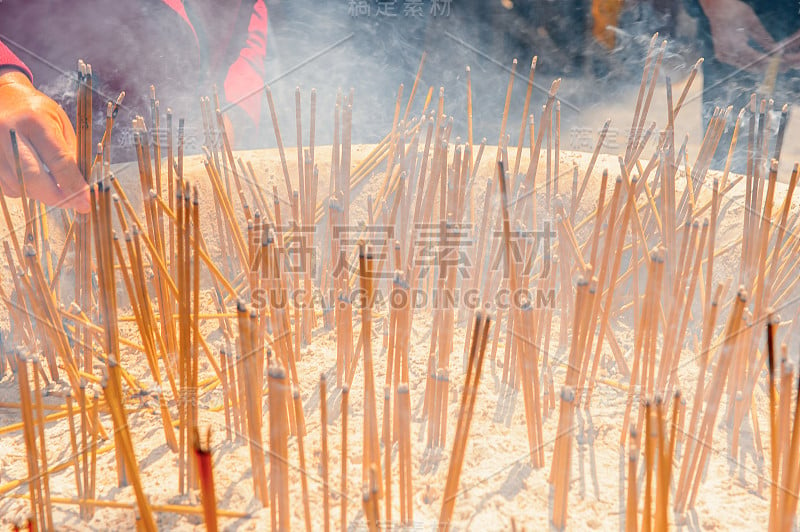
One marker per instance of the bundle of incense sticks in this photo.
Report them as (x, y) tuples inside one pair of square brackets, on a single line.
[(40, 303), (31, 247), (277, 296), (697, 445), (369, 499), (104, 251), (188, 282), (136, 287), (642, 371), (36, 455), (527, 356), (452, 201), (251, 392), (156, 243), (469, 396), (746, 376), (783, 433), (114, 397), (659, 449)]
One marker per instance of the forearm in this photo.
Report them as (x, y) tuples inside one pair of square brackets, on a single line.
[(9, 61), (245, 77)]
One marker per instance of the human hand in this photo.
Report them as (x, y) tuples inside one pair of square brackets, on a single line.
[(46, 143), (734, 26)]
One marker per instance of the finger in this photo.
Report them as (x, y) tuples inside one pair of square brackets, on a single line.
[(53, 149), (39, 185), (67, 131), (8, 179)]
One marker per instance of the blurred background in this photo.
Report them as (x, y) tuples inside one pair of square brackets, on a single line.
[(597, 47), (385, 40)]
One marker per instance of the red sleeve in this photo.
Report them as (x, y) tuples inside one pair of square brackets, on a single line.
[(245, 77), (8, 59)]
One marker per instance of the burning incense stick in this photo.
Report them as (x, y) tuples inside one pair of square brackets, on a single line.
[(773, 419), (202, 453)]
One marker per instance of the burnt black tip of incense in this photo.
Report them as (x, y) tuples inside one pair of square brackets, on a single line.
[(277, 372), (14, 145), (501, 176), (771, 324), (742, 294)]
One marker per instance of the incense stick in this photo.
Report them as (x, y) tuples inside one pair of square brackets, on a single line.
[(202, 454), (469, 396), (345, 460), (323, 410), (298, 409)]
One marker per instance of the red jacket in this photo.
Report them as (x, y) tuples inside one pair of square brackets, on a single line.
[(180, 46)]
